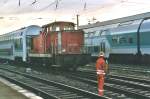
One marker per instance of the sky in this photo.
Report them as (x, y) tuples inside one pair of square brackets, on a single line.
[(15, 14)]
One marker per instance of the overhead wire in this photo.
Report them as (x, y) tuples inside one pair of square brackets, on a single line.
[(35, 1), (19, 3), (134, 2), (56, 2), (85, 6)]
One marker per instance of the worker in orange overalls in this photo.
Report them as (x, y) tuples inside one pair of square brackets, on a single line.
[(100, 68)]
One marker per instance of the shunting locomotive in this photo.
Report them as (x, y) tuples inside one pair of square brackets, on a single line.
[(59, 44)]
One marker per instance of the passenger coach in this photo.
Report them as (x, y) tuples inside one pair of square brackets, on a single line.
[(16, 45), (123, 40)]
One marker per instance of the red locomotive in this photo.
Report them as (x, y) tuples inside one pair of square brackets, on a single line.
[(59, 44)]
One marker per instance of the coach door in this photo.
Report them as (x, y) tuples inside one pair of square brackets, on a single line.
[(103, 46)]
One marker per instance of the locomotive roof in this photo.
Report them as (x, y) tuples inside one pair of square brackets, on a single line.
[(118, 20), (58, 22)]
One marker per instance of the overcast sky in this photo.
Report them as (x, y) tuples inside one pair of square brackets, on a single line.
[(15, 14)]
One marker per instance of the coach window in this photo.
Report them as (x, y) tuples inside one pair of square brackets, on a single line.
[(96, 49), (102, 46), (5, 38), (104, 32), (130, 40), (94, 33), (85, 35), (89, 49), (18, 44), (122, 40), (91, 34), (114, 40), (88, 35), (97, 33)]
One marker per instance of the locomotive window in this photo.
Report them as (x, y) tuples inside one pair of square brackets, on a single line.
[(53, 28), (57, 28), (68, 27), (50, 28), (71, 27)]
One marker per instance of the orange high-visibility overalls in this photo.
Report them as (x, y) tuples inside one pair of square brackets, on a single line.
[(100, 65)]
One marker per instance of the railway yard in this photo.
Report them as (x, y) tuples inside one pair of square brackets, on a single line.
[(57, 61), (122, 82), (77, 49)]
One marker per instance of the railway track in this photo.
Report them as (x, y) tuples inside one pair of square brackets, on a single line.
[(119, 86), (116, 87), (134, 70), (45, 88), (139, 72)]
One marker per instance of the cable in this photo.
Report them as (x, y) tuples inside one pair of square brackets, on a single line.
[(34, 2), (52, 3), (19, 3)]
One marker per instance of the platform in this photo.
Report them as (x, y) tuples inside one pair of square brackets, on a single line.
[(12, 91), (8, 93)]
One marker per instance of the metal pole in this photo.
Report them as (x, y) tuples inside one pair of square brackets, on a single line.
[(77, 21)]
